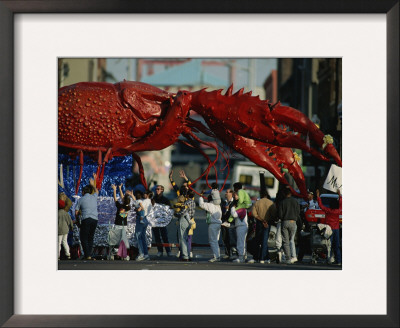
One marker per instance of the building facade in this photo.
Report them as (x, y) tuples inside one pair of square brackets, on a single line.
[(314, 86)]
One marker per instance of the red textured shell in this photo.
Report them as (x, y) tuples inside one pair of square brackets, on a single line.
[(99, 116), (92, 117)]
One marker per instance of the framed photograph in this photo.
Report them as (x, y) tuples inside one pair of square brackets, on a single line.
[(206, 155), (35, 34)]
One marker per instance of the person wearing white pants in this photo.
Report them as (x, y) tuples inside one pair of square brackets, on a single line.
[(64, 225), (293, 255), (214, 230), (214, 215), (289, 213), (278, 241), (62, 240), (278, 244), (241, 226)]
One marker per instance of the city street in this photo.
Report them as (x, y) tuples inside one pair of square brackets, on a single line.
[(201, 255), (199, 262)]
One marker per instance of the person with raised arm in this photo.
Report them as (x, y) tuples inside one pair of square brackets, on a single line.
[(214, 222), (185, 186), (332, 219), (121, 217)]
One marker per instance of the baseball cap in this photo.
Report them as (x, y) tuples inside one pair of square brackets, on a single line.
[(61, 203)]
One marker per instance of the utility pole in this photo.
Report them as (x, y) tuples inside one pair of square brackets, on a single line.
[(252, 74), (129, 69), (60, 73)]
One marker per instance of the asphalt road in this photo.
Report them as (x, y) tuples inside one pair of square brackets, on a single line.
[(200, 235), (199, 262)]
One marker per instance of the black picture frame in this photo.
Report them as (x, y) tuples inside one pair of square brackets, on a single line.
[(7, 11)]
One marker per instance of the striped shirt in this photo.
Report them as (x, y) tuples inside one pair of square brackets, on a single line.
[(176, 187)]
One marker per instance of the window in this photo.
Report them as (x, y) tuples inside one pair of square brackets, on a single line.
[(269, 182), (245, 179)]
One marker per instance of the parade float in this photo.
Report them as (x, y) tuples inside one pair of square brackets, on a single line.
[(105, 121)]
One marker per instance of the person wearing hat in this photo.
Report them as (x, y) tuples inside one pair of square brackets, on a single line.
[(215, 194), (68, 204), (65, 224), (214, 215)]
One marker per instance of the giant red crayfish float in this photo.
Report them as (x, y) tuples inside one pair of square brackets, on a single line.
[(127, 117)]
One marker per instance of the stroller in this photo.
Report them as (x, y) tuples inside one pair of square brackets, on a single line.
[(272, 237), (118, 243), (320, 243)]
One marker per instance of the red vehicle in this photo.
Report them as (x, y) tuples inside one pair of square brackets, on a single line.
[(318, 216)]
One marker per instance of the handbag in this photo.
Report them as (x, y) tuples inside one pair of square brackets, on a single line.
[(122, 251)]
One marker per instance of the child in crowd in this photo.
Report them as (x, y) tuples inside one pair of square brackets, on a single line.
[(122, 208), (64, 225), (140, 214), (121, 217), (141, 224), (148, 202), (68, 205)]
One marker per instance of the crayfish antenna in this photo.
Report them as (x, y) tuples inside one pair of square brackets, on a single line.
[(141, 170), (80, 171)]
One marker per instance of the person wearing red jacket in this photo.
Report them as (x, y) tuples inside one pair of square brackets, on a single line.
[(332, 219)]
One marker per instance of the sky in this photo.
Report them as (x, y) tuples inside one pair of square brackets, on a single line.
[(123, 68)]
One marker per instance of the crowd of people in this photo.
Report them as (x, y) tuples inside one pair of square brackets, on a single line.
[(235, 217)]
